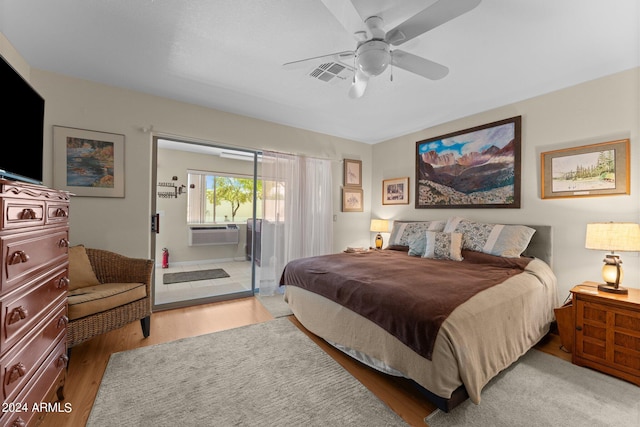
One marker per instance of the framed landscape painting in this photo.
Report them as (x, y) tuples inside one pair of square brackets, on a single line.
[(472, 168), (589, 170), (88, 163)]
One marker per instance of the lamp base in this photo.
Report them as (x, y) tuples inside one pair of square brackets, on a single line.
[(379, 241), (613, 289)]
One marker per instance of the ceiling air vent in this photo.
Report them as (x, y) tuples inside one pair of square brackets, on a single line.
[(330, 71)]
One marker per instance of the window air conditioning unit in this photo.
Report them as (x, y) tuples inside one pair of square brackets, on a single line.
[(214, 235)]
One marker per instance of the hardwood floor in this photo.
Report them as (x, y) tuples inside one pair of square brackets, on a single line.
[(89, 360)]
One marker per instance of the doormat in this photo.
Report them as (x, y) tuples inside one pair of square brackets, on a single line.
[(192, 276)]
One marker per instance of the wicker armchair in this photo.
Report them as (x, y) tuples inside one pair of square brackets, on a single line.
[(111, 268)]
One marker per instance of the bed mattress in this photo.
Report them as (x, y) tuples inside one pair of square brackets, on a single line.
[(480, 338)]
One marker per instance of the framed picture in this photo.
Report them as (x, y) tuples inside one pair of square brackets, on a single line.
[(352, 173), (352, 200), (473, 168), (88, 163), (395, 191), (590, 170)]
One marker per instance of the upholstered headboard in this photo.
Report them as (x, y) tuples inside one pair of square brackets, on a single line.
[(541, 244)]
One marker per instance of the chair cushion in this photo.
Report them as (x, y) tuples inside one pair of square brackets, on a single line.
[(95, 299), (81, 273)]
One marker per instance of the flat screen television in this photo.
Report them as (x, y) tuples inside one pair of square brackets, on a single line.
[(22, 124)]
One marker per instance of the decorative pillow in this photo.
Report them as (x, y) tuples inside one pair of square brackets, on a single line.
[(442, 245), (403, 232), (417, 244), (494, 239), (81, 274)]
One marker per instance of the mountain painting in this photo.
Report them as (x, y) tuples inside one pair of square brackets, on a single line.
[(474, 168)]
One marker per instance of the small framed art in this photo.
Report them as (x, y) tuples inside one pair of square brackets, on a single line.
[(352, 200), (352, 173), (395, 191), (589, 170)]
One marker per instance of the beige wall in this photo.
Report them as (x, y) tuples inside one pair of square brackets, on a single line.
[(602, 110), (123, 224)]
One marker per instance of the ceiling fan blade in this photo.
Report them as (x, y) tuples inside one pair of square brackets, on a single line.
[(418, 65), (359, 85), (437, 14), (336, 57), (347, 15)]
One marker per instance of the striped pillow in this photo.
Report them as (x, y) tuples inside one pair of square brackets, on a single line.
[(507, 241), (442, 245)]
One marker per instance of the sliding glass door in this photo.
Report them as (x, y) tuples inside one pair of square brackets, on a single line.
[(207, 204)]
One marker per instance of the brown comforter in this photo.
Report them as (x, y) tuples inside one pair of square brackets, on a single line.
[(407, 296)]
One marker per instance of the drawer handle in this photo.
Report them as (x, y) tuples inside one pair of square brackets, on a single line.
[(18, 422), (17, 314), (63, 282), (17, 371), (60, 213), (18, 257), (62, 361), (62, 322), (28, 214), (63, 243), (578, 328)]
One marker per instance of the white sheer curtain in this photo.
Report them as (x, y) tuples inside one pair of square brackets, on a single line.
[(297, 213)]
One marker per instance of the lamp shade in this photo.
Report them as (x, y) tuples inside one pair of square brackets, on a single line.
[(380, 225), (613, 236)]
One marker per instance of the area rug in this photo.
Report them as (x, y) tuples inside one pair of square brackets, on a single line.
[(543, 390), (275, 304), (192, 276), (267, 374)]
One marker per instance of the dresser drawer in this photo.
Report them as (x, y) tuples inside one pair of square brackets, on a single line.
[(21, 362), (19, 213), (50, 375), (27, 254), (57, 213), (21, 311)]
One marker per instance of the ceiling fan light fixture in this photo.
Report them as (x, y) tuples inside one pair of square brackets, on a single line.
[(373, 57)]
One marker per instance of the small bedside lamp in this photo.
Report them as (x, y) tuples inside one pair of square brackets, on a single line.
[(613, 236), (379, 226)]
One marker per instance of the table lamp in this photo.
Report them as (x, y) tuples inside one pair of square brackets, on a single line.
[(379, 226), (614, 237)]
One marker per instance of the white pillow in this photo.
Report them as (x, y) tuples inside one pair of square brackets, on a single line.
[(507, 241), (442, 245)]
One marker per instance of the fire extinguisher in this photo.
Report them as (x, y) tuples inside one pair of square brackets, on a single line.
[(165, 258)]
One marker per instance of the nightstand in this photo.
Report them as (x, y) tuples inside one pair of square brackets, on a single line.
[(607, 331)]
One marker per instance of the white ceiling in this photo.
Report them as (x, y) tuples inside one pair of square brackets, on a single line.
[(228, 55)]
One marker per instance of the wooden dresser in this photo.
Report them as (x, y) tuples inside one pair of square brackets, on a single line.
[(34, 237), (607, 331)]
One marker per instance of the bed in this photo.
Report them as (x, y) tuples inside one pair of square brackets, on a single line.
[(407, 310)]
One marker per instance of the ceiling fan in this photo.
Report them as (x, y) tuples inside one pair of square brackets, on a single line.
[(373, 52)]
